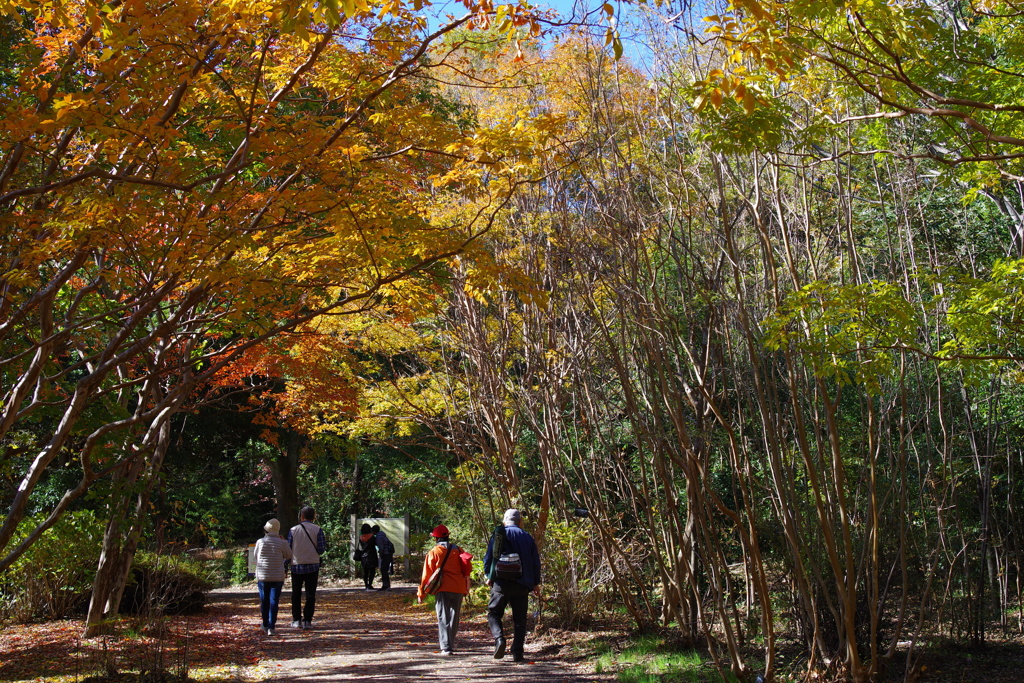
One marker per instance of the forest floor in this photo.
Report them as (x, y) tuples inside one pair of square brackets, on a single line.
[(357, 635), (362, 635)]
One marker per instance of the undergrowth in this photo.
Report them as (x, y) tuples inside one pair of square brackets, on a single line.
[(654, 659)]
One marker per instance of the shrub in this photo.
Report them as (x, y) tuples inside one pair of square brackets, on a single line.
[(239, 572), (574, 573), (335, 563), (53, 578), (166, 584)]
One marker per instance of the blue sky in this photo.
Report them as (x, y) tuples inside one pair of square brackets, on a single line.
[(575, 10)]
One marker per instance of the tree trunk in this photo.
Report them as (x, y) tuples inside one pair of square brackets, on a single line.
[(124, 529), (284, 472)]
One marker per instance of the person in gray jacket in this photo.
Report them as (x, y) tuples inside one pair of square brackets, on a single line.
[(272, 552), (308, 544)]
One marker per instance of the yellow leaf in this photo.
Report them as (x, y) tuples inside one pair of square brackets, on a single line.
[(749, 102)]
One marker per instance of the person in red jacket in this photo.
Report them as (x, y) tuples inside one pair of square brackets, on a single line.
[(454, 586)]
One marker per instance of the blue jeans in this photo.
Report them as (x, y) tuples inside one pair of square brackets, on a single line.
[(270, 596)]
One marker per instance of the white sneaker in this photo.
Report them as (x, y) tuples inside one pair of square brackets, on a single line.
[(271, 632), (296, 624)]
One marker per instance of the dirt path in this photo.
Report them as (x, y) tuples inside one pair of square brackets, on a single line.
[(362, 635), (358, 635)]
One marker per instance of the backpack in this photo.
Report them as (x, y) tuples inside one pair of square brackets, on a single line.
[(366, 552), (505, 566), (387, 547)]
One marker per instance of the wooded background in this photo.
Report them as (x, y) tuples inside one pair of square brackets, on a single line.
[(736, 328)]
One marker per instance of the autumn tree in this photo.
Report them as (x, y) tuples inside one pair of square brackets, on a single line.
[(781, 354), (291, 386), (181, 183)]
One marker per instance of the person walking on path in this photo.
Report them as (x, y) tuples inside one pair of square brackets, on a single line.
[(512, 568), (454, 586), (307, 542), (367, 552), (386, 550), (272, 552)]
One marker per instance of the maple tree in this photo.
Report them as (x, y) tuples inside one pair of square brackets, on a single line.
[(182, 182), (311, 382), (291, 386)]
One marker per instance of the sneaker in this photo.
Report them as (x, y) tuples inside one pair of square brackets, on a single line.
[(518, 659), (499, 648), (307, 624), (446, 653), (271, 632), (296, 624)]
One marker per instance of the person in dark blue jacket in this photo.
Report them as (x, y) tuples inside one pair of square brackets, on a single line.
[(501, 564)]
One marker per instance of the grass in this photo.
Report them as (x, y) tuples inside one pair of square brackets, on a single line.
[(651, 659)]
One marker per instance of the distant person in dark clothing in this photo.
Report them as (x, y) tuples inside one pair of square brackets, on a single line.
[(367, 551), (512, 568), (308, 544), (386, 550)]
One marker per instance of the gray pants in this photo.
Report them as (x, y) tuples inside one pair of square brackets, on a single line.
[(448, 607)]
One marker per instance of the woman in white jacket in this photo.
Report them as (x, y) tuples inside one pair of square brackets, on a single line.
[(272, 552)]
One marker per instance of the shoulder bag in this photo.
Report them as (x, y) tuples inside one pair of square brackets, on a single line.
[(434, 582)]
